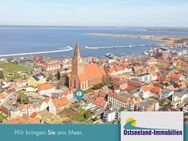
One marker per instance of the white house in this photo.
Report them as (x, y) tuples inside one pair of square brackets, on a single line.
[(109, 115), (166, 93), (6, 84), (150, 91), (145, 77), (148, 105), (119, 70), (179, 97), (54, 106), (31, 89), (23, 110), (185, 109), (46, 89), (69, 95)]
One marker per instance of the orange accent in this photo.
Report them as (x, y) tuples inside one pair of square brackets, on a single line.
[(46, 86)]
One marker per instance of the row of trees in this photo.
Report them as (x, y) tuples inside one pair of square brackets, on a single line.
[(2, 75)]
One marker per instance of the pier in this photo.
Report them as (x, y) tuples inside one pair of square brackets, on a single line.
[(68, 48), (122, 46)]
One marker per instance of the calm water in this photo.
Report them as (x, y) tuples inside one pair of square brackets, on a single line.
[(32, 39)]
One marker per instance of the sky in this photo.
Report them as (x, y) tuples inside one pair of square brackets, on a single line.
[(162, 13)]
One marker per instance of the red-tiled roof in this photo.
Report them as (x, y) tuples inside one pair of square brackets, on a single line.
[(124, 99), (61, 102), (100, 102), (91, 71), (173, 75), (23, 120), (153, 89), (46, 86)]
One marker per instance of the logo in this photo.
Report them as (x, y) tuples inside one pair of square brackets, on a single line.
[(130, 128), (79, 94), (152, 126)]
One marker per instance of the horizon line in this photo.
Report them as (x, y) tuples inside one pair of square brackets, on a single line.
[(93, 26)]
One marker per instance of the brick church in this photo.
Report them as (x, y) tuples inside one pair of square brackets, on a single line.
[(84, 76)]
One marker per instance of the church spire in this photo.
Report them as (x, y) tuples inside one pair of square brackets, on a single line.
[(77, 51), (77, 62)]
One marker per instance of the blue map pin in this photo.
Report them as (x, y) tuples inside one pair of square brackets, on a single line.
[(79, 94)]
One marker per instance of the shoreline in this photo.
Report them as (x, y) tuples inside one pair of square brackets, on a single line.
[(168, 40)]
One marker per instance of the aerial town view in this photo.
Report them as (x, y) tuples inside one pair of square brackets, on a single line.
[(40, 89), (80, 74)]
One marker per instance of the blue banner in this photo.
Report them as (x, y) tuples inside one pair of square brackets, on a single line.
[(65, 132)]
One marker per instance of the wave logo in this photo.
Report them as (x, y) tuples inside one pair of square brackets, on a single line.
[(130, 128), (130, 123)]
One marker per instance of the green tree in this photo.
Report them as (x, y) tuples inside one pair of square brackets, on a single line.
[(87, 114), (2, 75), (58, 75), (98, 86), (23, 99)]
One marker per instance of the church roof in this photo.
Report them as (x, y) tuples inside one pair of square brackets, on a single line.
[(91, 71)]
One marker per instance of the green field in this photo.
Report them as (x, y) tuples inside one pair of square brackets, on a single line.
[(79, 116), (181, 69), (2, 117), (12, 68), (161, 66)]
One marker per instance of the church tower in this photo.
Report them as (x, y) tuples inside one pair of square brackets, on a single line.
[(77, 68), (77, 62), (84, 76)]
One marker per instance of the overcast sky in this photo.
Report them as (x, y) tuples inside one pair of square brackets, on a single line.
[(172, 13)]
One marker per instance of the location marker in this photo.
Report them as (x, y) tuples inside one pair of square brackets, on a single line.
[(79, 94)]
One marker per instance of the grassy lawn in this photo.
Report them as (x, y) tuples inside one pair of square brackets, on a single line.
[(90, 90), (12, 68), (161, 65), (2, 117), (74, 115), (70, 114), (181, 69), (98, 86), (81, 117)]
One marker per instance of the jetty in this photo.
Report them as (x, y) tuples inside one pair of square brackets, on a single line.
[(122, 46), (68, 48)]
